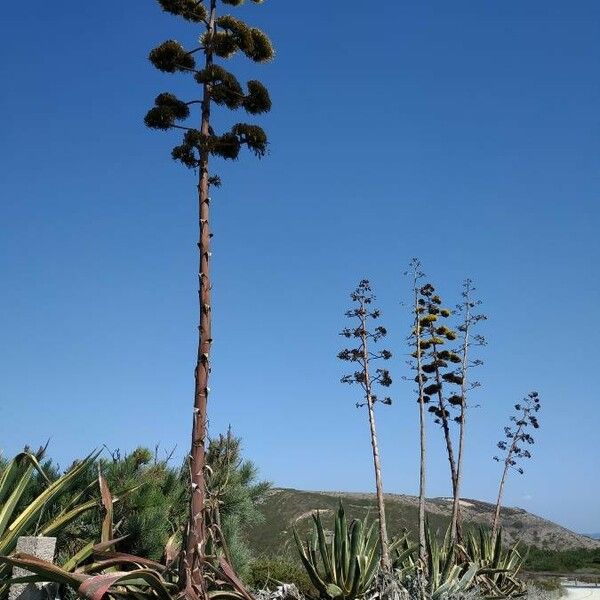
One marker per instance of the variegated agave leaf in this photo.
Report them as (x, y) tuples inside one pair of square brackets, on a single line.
[(345, 567)]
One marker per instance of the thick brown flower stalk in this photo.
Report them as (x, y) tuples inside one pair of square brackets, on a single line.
[(221, 36)]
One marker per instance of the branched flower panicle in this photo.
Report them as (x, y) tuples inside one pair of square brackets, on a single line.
[(171, 57), (517, 439), (469, 318), (514, 446), (236, 35), (224, 37), (363, 312), (168, 109), (447, 366), (191, 10), (433, 335)]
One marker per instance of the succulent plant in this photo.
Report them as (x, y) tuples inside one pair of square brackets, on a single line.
[(498, 567), (18, 520), (344, 567), (447, 573)]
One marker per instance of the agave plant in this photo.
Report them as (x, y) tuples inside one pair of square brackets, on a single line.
[(20, 516), (444, 573), (344, 567), (481, 562), (142, 580), (403, 557), (98, 570), (447, 573), (497, 567), (120, 576)]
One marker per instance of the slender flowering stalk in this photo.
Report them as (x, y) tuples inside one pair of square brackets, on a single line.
[(363, 356), (437, 372), (515, 444), (468, 339), (416, 341)]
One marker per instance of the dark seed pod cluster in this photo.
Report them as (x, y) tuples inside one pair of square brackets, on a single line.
[(224, 36)]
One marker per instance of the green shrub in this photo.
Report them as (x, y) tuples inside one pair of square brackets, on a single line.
[(564, 561), (268, 573)]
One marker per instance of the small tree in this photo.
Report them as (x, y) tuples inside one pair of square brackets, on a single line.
[(220, 37), (515, 444), (362, 313), (234, 493)]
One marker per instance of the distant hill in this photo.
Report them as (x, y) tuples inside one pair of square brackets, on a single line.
[(284, 508), (594, 536)]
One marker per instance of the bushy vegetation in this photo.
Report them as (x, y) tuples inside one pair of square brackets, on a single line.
[(138, 505), (269, 573), (235, 487), (563, 561)]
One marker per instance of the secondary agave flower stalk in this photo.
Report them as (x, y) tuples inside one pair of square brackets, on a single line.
[(515, 445), (362, 356), (416, 341), (467, 339), (221, 36), (435, 335)]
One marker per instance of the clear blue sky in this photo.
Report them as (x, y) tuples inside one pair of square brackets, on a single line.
[(466, 133)]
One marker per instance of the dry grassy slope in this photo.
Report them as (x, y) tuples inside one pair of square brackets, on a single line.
[(287, 507)]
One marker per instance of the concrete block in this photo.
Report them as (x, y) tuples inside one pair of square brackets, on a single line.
[(41, 547)]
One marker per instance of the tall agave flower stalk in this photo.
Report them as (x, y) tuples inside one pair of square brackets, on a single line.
[(416, 340), (515, 445), (221, 36), (467, 340), (436, 369), (363, 357)]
